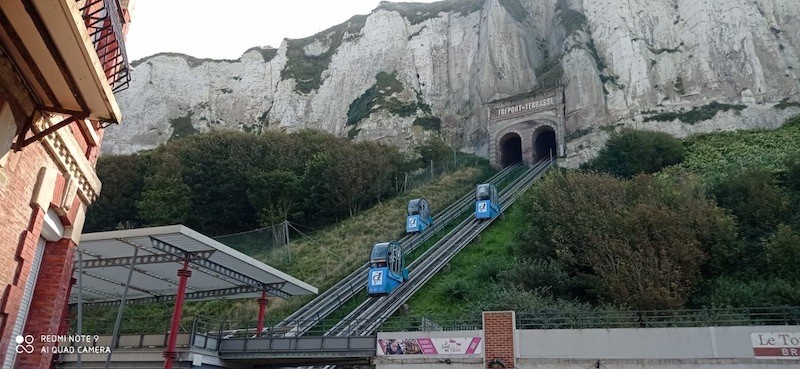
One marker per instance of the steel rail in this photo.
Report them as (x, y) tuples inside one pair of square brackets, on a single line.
[(368, 316), (327, 302), (365, 319)]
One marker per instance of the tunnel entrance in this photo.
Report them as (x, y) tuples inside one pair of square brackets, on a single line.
[(545, 145), (510, 149)]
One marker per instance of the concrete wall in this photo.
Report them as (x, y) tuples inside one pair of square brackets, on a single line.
[(624, 348), (636, 343)]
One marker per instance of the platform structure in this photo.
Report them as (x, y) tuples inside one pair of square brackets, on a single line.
[(169, 264)]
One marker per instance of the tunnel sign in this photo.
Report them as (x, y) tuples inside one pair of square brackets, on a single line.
[(533, 104), (776, 345)]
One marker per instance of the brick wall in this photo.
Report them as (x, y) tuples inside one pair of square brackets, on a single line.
[(20, 227), (498, 332), (25, 196), (49, 299)]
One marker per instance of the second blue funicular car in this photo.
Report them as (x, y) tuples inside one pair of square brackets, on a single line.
[(387, 268)]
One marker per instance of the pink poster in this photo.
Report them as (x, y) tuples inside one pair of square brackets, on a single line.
[(430, 346)]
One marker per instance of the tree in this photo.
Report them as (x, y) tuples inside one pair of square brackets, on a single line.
[(165, 198), (433, 149), (274, 193), (782, 252), (756, 200), (639, 243), (633, 152), (227, 182), (123, 180)]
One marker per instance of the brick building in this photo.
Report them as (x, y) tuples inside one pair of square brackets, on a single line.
[(61, 61)]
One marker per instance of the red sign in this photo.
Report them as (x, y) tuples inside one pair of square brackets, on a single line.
[(776, 345)]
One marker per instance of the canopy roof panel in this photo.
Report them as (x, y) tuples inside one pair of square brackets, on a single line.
[(218, 271)]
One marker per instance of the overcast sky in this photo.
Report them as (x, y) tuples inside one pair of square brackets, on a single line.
[(224, 29)]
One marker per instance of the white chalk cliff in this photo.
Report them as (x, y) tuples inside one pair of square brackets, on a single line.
[(618, 62)]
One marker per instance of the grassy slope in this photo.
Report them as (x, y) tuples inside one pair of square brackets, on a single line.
[(471, 273), (335, 252)]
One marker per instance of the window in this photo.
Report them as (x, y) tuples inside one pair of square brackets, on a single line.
[(395, 259)]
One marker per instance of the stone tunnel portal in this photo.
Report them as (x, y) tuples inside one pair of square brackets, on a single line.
[(510, 149), (545, 144), (526, 128)]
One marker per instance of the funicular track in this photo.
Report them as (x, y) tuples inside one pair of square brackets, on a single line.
[(305, 318), (367, 317)]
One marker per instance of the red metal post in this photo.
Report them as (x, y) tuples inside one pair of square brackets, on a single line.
[(170, 354), (262, 309)]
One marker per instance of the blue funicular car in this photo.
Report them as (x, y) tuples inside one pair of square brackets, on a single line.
[(386, 268), (487, 204), (419, 216)]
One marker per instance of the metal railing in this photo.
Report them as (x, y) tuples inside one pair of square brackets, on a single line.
[(659, 318), (208, 334), (104, 20)]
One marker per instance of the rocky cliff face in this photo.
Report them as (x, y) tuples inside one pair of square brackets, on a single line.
[(406, 71)]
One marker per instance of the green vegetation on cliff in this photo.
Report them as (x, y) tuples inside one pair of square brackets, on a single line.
[(697, 114), (383, 95), (307, 69), (420, 12)]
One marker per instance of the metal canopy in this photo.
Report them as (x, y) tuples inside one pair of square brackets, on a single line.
[(218, 271)]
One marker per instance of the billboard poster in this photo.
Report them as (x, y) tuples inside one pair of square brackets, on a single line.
[(430, 346), (776, 345)]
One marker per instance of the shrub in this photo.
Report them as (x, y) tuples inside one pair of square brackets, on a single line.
[(433, 149), (539, 274), (755, 198), (182, 127), (734, 293), (785, 103), (429, 123), (455, 290), (633, 152), (379, 96), (695, 115), (419, 12), (307, 69), (640, 243)]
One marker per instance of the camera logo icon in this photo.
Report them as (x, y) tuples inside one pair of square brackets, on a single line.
[(24, 344)]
